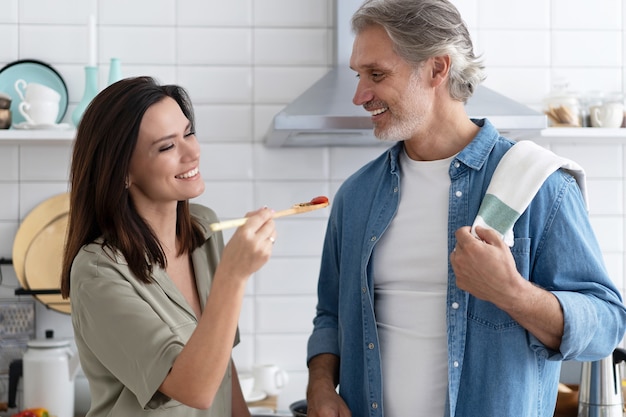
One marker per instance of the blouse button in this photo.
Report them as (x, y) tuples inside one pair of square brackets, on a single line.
[(458, 193)]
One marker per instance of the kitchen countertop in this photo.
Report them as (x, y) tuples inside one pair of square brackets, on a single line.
[(269, 403)]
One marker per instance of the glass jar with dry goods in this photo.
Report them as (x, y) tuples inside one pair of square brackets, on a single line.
[(563, 107), (588, 102), (5, 111)]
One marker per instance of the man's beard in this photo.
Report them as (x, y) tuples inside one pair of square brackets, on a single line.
[(402, 125)]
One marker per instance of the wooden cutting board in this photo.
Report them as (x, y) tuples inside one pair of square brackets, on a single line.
[(43, 263), (45, 227)]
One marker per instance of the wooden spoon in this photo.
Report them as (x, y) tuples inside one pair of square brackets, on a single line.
[(315, 204)]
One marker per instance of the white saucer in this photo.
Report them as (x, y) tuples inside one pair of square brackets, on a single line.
[(255, 396), (42, 126), (261, 410)]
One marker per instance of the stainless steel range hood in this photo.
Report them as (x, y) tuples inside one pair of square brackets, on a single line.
[(325, 116)]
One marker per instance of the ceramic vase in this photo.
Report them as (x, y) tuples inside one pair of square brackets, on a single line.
[(115, 71), (91, 90)]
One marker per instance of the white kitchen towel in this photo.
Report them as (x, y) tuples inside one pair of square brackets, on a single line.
[(517, 178)]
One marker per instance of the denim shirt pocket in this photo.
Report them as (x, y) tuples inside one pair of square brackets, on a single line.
[(521, 253), (485, 314)]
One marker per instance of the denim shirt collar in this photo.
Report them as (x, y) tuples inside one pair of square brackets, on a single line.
[(473, 155)]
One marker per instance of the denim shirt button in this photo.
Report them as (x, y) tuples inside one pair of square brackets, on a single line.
[(373, 238), (395, 189), (370, 346), (375, 405), (458, 193), (455, 305), (455, 364), (363, 290), (457, 164)]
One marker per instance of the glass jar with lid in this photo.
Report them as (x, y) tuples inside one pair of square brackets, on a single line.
[(563, 107), (589, 101)]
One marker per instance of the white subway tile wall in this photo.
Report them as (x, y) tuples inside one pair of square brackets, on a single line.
[(242, 61)]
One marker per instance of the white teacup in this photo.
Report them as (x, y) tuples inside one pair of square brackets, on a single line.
[(39, 112), (246, 381), (35, 92), (607, 115), (269, 379)]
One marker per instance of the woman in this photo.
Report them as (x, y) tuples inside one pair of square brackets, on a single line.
[(155, 295)]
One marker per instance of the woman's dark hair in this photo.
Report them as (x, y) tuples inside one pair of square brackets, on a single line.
[(100, 204)]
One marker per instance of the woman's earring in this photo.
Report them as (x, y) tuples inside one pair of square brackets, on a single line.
[(126, 184)]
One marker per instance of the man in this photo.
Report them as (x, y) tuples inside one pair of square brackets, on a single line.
[(416, 316)]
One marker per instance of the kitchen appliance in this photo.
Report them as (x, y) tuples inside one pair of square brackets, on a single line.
[(324, 114), (49, 371), (600, 392)]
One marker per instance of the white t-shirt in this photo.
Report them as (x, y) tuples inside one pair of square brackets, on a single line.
[(410, 284)]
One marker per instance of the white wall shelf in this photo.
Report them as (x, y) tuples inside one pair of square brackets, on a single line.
[(583, 135), (36, 137), (582, 132), (565, 134)]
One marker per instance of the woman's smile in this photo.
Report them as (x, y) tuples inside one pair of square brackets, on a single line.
[(189, 175)]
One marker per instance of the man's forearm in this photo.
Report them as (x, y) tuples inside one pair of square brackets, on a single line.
[(323, 371), (539, 312)]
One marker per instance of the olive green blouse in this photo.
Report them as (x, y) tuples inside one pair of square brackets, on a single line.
[(128, 333)]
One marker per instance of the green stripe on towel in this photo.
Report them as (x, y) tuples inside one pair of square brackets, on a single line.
[(497, 214)]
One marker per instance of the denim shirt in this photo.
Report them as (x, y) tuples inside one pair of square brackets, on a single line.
[(495, 366)]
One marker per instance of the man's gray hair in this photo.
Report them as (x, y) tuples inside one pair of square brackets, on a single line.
[(422, 29)]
